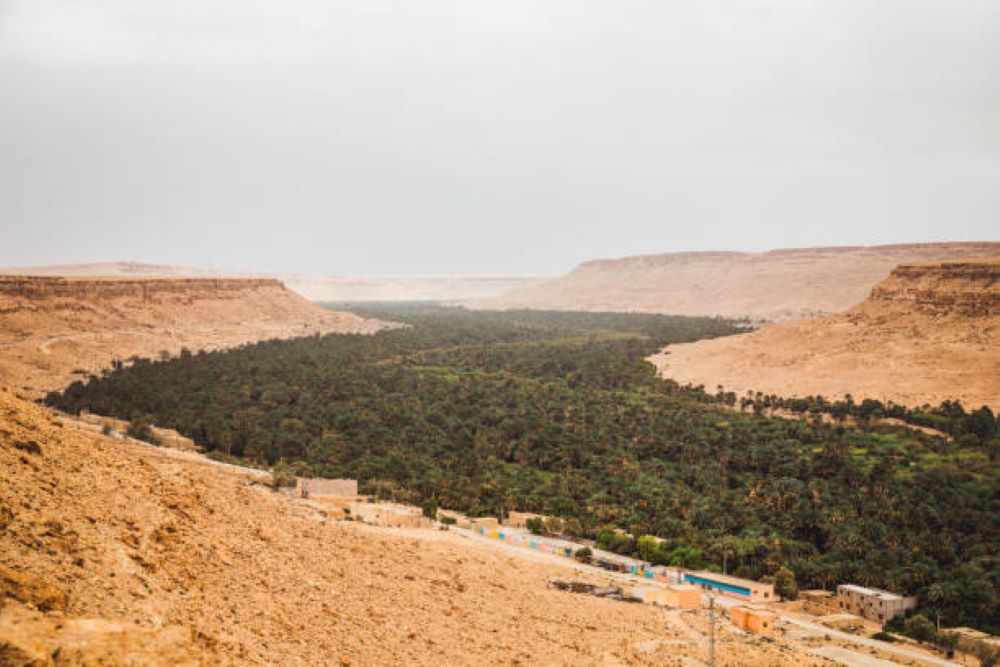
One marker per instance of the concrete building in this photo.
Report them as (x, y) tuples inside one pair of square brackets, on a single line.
[(743, 589), (390, 515), (678, 597), (319, 487), (484, 524), (683, 596), (872, 603), (520, 519), (754, 619)]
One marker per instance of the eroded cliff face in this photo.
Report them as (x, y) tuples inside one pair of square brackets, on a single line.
[(768, 286), (960, 288), (53, 326), (927, 333)]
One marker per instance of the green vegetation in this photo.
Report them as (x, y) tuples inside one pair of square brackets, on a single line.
[(141, 428), (557, 413)]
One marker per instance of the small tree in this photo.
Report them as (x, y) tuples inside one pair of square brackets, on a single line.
[(947, 642), (785, 584), (583, 554), (920, 628), (534, 525), (989, 656), (430, 508), (142, 429)]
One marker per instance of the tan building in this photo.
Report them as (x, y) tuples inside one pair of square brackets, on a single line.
[(390, 515), (484, 524), (520, 519), (683, 596), (755, 619), (742, 589), (678, 597), (319, 487), (872, 603)]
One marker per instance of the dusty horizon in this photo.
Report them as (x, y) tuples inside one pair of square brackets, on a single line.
[(503, 139)]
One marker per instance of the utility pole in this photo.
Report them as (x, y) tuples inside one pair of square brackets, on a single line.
[(711, 631)]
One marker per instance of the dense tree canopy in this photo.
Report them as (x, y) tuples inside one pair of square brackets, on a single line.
[(558, 413)]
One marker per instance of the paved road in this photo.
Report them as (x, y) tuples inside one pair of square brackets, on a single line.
[(871, 643)]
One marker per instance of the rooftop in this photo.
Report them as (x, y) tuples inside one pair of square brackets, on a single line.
[(726, 579), (876, 592)]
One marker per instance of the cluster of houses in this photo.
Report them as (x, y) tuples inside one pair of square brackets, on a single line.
[(675, 587)]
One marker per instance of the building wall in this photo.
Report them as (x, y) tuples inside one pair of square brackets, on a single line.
[(743, 589), (873, 606), (319, 487)]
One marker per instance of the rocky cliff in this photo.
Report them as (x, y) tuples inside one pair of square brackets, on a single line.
[(770, 286), (927, 333), (53, 326)]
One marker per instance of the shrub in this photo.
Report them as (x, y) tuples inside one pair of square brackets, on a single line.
[(989, 656), (883, 636), (142, 429), (448, 520), (534, 525), (785, 585), (947, 642), (583, 554), (107, 430), (920, 628), (430, 508)]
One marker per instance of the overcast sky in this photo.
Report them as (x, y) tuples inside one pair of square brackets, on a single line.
[(374, 137)]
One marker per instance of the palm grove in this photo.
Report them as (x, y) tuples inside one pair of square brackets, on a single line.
[(558, 413)]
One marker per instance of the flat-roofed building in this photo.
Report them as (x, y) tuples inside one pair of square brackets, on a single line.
[(743, 589), (520, 519), (754, 619), (319, 487), (872, 603)]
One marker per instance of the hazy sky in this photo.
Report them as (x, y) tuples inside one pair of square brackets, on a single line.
[(374, 137)]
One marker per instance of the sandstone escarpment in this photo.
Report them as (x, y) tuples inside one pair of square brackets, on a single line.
[(51, 327), (927, 333), (768, 286), (962, 288)]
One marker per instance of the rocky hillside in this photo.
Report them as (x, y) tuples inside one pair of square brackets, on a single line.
[(53, 326), (927, 333), (776, 285), (449, 288), (118, 553)]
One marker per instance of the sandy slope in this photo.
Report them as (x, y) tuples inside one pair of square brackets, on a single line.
[(927, 333), (775, 285), (113, 549), (50, 326)]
